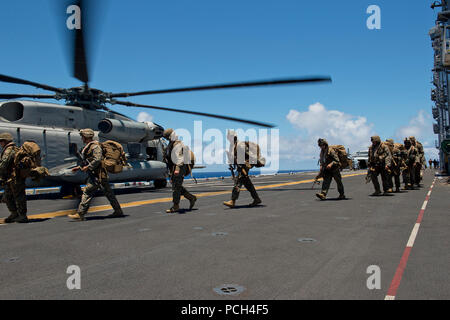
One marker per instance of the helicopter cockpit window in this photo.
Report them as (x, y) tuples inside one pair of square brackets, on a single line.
[(11, 111)]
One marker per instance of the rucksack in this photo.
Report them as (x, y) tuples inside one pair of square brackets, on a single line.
[(114, 158), (27, 161), (399, 150), (344, 161), (252, 153)]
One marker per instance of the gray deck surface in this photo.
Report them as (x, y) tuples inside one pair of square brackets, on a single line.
[(153, 255)]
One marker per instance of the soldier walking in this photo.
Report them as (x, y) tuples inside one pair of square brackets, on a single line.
[(237, 158), (397, 165), (14, 186), (421, 161), (412, 162), (329, 170), (177, 158), (97, 177), (380, 161)]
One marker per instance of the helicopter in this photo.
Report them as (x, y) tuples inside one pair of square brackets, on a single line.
[(55, 127)]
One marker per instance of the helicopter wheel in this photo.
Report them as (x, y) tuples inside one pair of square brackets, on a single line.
[(70, 190), (160, 184)]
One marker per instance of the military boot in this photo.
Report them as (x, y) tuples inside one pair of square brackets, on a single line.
[(255, 202), (11, 217), (397, 190), (342, 197), (116, 214), (376, 193), (173, 209), (192, 202), (230, 203), (389, 190), (21, 218), (77, 216), (321, 196)]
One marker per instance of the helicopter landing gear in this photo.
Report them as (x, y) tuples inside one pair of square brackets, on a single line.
[(70, 190), (160, 184)]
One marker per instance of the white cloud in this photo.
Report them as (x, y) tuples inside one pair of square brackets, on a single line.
[(144, 117), (337, 127), (353, 132), (420, 126)]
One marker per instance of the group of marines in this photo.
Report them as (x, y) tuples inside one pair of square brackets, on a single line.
[(178, 165), (387, 159)]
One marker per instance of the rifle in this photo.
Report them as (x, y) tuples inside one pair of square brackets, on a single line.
[(314, 183), (369, 175), (83, 163), (231, 168)]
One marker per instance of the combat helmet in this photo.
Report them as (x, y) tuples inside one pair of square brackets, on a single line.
[(321, 141), (167, 133), (231, 135), (5, 136), (407, 141), (87, 133), (376, 139)]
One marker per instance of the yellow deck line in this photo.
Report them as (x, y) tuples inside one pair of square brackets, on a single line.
[(61, 213)]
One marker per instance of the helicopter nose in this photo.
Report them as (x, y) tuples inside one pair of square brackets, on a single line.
[(158, 130)]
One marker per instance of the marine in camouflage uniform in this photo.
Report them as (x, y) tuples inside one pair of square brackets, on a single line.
[(421, 154), (380, 161), (175, 159), (329, 170), (243, 170), (97, 178), (397, 165), (14, 186), (412, 161)]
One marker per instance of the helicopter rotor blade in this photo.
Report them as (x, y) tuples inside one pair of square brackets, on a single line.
[(257, 123), (33, 96), (5, 78), (274, 82), (80, 64)]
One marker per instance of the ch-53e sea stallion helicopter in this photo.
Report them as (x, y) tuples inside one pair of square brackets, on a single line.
[(55, 127)]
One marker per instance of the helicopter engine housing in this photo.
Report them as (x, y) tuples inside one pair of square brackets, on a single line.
[(129, 131)]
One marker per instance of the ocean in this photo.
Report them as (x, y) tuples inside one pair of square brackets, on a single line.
[(253, 172)]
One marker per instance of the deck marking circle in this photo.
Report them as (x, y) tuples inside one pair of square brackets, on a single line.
[(229, 290), (306, 240), (219, 234)]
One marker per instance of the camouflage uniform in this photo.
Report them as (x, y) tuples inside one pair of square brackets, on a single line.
[(380, 158), (412, 161), (176, 162), (397, 165), (244, 180), (243, 170), (93, 154), (14, 187), (421, 163), (327, 157)]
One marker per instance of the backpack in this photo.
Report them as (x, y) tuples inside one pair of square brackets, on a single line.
[(252, 153), (27, 162), (399, 150), (114, 158), (344, 161)]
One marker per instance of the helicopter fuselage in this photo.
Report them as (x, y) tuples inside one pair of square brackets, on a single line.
[(54, 127)]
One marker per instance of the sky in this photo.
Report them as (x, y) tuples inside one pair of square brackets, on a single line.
[(381, 78)]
